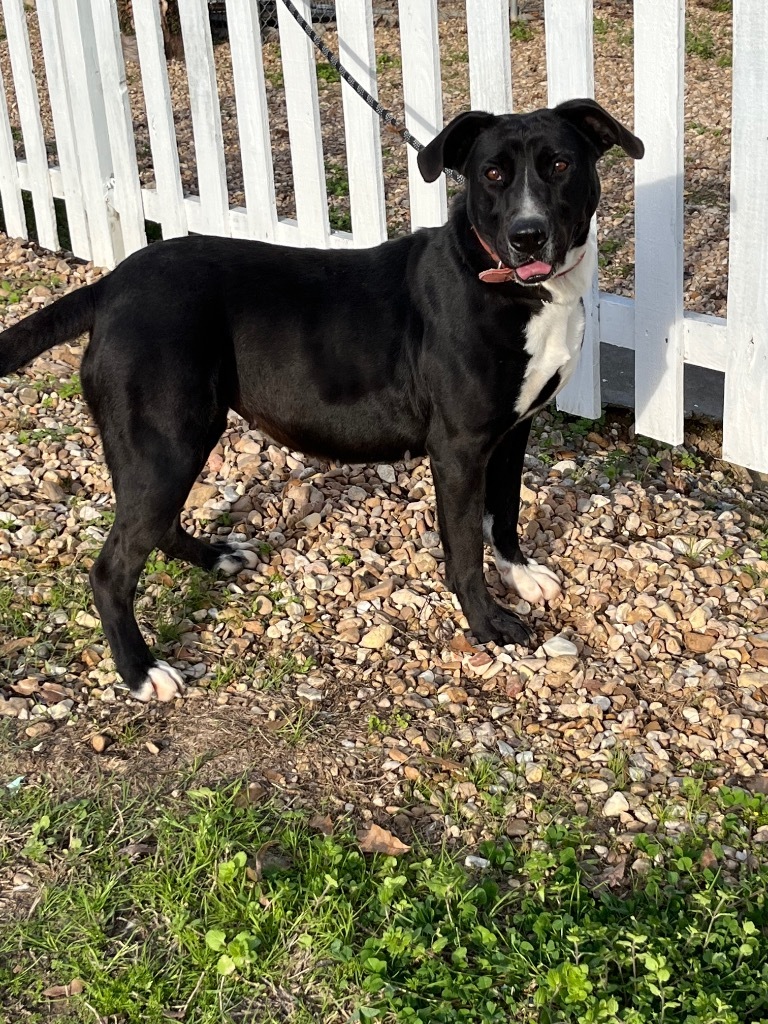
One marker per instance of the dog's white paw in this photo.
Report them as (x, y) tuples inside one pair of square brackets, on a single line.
[(161, 683), (533, 582), (233, 562)]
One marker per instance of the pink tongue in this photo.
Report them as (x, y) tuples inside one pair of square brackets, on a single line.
[(535, 269)]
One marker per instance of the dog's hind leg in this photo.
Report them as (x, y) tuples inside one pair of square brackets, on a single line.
[(533, 582), (149, 497), (154, 460)]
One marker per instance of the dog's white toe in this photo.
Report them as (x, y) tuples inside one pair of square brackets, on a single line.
[(234, 562), (533, 582), (161, 683)]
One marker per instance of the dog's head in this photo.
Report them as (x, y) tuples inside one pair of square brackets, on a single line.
[(532, 183)]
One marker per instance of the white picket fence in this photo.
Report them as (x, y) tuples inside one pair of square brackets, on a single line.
[(107, 206)]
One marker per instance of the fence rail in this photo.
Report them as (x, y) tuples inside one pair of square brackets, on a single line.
[(107, 207)]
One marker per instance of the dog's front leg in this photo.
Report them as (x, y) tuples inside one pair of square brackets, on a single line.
[(533, 582), (459, 477)]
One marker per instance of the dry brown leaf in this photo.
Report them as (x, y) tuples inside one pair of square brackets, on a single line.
[(25, 687), (378, 840), (74, 988), (322, 824), (52, 693), (134, 851), (13, 646), (460, 645), (708, 859), (263, 861), (614, 873), (254, 793)]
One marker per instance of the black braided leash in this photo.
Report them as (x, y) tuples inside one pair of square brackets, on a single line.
[(386, 115)]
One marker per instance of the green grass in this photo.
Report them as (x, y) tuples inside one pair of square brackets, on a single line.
[(68, 388), (327, 73), (180, 590), (59, 434), (12, 291), (337, 187), (51, 641), (607, 248), (700, 43), (207, 908), (385, 60), (336, 180), (521, 31)]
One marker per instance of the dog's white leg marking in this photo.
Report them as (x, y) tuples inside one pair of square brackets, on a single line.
[(161, 682), (233, 562), (533, 582)]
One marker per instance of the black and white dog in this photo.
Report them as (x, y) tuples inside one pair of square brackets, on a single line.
[(445, 342)]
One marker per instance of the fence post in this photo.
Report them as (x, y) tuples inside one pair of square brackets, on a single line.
[(10, 188), (490, 60), (128, 198), (304, 128), (64, 126), (31, 123), (423, 99), (745, 425), (162, 131), (252, 118), (659, 337), (570, 74), (361, 124), (92, 135), (206, 117)]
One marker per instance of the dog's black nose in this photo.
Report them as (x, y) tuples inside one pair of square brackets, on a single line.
[(528, 236)]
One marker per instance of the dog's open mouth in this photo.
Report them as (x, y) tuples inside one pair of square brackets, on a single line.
[(533, 272)]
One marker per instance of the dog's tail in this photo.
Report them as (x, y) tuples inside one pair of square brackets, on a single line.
[(63, 320)]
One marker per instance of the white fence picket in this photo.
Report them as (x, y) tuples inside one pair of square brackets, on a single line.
[(490, 64), (570, 74), (659, 340), (127, 187), (423, 99), (361, 123), (206, 115), (745, 425), (162, 133), (300, 80), (10, 186), (92, 137), (31, 123), (61, 112), (252, 117)]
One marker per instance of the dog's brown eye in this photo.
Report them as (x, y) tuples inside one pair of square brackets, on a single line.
[(560, 166), (493, 174)]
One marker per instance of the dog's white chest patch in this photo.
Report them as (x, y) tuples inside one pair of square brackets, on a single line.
[(553, 338)]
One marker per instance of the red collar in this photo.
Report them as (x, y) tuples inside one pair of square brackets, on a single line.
[(502, 273)]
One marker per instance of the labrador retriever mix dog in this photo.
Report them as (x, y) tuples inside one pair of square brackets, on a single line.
[(445, 342)]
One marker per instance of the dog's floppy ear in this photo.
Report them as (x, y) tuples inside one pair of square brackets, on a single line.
[(451, 147), (602, 130)]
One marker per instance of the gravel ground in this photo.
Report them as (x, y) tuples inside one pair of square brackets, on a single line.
[(344, 643), (338, 669)]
